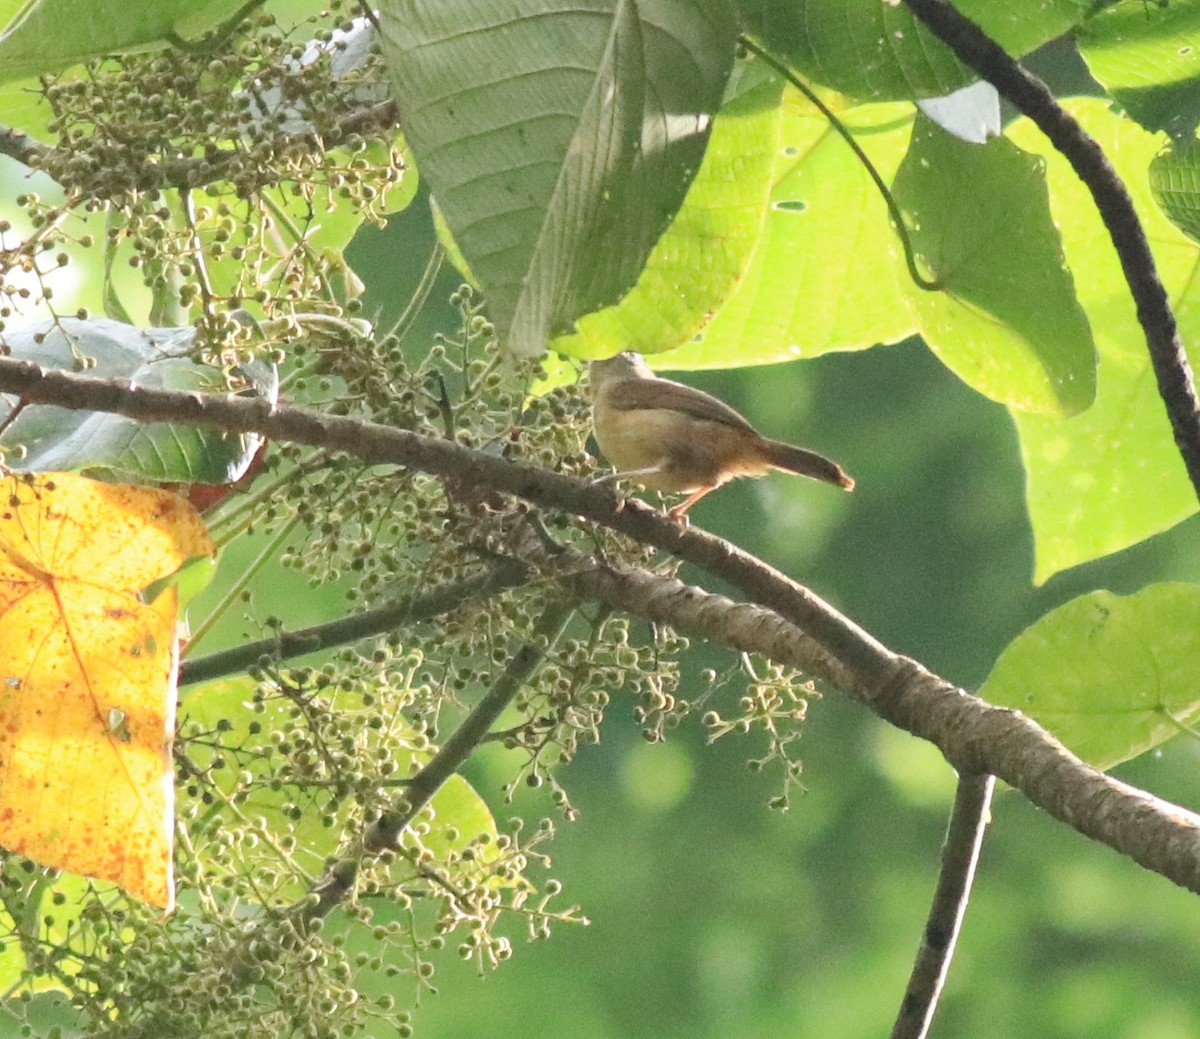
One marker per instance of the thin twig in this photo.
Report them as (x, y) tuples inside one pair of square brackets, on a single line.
[(901, 228), (408, 610), (960, 855)]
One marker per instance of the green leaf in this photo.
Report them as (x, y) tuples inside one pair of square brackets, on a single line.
[(1146, 56), (558, 138), (47, 35), (50, 438), (875, 50), (459, 817), (1110, 477), (806, 292), (190, 579), (1110, 676), (1175, 184), (1006, 320), (25, 108), (698, 262)]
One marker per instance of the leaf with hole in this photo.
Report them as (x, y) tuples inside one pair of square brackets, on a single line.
[(805, 293), (1005, 318)]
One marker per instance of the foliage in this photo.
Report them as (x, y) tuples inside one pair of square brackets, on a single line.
[(607, 176)]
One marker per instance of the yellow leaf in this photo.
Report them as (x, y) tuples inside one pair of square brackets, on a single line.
[(87, 675)]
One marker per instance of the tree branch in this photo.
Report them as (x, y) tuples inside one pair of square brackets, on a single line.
[(18, 145), (410, 609), (974, 736), (1030, 95), (960, 855)]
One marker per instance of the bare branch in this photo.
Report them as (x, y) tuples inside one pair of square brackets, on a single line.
[(960, 855), (17, 144), (974, 736), (383, 619)]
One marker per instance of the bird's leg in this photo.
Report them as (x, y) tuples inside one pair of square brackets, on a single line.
[(678, 512)]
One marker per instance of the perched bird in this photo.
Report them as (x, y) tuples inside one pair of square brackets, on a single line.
[(671, 437)]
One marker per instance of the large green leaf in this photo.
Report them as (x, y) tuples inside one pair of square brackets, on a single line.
[(1145, 55), (828, 272), (47, 35), (1006, 320), (558, 139), (702, 256), (1110, 676), (876, 50), (41, 437), (1110, 477)]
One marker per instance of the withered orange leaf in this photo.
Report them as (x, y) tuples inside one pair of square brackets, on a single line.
[(87, 675)]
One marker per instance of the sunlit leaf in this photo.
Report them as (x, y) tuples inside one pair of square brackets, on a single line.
[(87, 675), (702, 256), (1006, 320), (558, 139), (1146, 56), (806, 293), (1110, 676), (1110, 477)]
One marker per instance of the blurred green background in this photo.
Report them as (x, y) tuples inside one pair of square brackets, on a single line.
[(712, 915)]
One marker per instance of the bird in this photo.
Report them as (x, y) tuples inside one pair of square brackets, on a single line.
[(675, 438)]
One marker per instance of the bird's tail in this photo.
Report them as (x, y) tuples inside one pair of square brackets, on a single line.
[(806, 463)]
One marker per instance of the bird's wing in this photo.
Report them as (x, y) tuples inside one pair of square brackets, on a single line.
[(637, 394)]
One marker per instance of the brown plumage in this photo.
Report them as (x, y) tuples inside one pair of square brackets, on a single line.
[(675, 438)]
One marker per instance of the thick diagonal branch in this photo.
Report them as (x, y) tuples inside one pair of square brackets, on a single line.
[(973, 735)]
